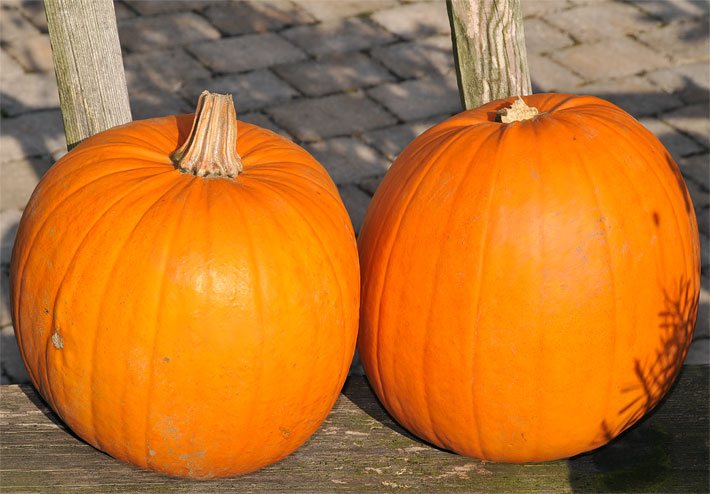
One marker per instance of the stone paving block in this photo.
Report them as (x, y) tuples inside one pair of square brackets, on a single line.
[(31, 134), (19, 179), (337, 36), (547, 76), (415, 20), (670, 10), (251, 91), (149, 101), (418, 58), (338, 115), (122, 10), (356, 202), (164, 31), (255, 17), (691, 82), (34, 53), (634, 94), (33, 10), (699, 195), (676, 143), (253, 51), (370, 185), (5, 310), (9, 69), (610, 58), (13, 25), (697, 169), (9, 219), (327, 10), (541, 37), (392, 140), (155, 7), (263, 121), (331, 74), (419, 99), (542, 7), (684, 41), (11, 363), (703, 217), (693, 120), (29, 92), (601, 21), (169, 69), (348, 160)]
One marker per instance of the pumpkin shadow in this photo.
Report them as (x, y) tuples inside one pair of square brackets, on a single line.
[(358, 390), (647, 455)]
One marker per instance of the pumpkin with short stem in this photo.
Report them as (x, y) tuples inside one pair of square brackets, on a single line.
[(530, 285), (194, 315)]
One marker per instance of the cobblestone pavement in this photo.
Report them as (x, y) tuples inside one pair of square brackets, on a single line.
[(354, 81)]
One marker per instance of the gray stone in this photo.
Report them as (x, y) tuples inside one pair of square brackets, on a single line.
[(13, 25), (31, 134), (693, 120), (150, 101), (327, 10), (348, 160), (392, 140), (34, 53), (697, 169), (677, 144), (684, 41), (255, 17), (9, 219), (122, 11), (169, 69), (601, 21), (339, 115), (370, 185), (541, 7), (549, 76), (338, 36), (33, 10), (251, 91), (698, 353), (29, 92), (9, 68), (415, 20), (164, 31), (155, 7), (263, 121), (419, 99), (356, 202), (19, 179), (703, 217), (670, 10), (250, 52), (418, 58), (610, 58), (541, 37), (699, 195), (634, 94), (691, 82), (5, 310), (10, 361), (331, 74)]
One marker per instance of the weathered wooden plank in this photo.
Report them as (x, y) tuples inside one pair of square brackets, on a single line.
[(489, 50), (360, 449), (89, 66)]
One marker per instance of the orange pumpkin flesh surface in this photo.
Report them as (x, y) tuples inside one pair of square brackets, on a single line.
[(197, 326), (529, 289)]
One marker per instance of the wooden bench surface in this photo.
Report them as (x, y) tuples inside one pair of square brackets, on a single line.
[(360, 449)]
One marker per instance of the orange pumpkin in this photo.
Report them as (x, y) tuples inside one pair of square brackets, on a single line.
[(529, 288), (179, 319)]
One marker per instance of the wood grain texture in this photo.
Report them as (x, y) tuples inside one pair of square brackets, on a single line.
[(489, 50), (360, 449), (89, 66)]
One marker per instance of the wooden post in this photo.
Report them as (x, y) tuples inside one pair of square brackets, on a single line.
[(489, 50), (89, 66)]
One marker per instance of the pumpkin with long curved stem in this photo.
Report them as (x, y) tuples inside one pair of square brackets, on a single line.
[(530, 285), (194, 315)]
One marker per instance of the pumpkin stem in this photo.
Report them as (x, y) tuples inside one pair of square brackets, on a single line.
[(211, 148), (518, 112)]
